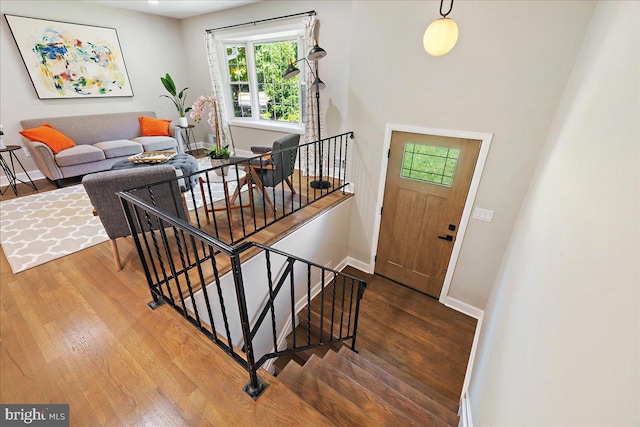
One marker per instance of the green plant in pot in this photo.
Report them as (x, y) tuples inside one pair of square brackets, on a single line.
[(219, 156), (178, 98)]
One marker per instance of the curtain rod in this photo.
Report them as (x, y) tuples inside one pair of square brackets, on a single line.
[(310, 13)]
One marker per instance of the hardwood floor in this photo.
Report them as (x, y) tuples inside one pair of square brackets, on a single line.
[(415, 333), (76, 331), (24, 190)]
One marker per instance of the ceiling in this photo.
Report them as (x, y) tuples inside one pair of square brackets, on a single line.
[(176, 8)]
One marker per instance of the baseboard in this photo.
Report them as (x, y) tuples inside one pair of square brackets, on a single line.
[(465, 412), (35, 175), (360, 265), (464, 399), (243, 153), (462, 307), (281, 344)]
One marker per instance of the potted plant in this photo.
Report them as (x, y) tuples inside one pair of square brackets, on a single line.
[(219, 156), (178, 98)]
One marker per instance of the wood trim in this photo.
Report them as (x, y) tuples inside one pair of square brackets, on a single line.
[(472, 357), (360, 265), (463, 307)]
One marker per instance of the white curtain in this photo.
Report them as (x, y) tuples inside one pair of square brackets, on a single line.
[(223, 133), (311, 124)]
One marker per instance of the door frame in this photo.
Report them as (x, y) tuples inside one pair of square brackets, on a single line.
[(485, 139)]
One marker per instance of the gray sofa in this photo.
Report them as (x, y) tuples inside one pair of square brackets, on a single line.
[(101, 140)]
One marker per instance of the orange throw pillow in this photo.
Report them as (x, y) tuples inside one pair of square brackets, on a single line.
[(54, 139), (154, 127)]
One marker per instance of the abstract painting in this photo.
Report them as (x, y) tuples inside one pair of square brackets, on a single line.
[(67, 60)]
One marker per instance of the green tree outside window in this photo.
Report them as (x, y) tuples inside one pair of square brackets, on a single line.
[(278, 98)]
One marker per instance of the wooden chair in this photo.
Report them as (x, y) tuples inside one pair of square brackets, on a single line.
[(275, 166), (102, 187)]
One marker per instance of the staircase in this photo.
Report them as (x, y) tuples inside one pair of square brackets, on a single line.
[(359, 389), (350, 390)]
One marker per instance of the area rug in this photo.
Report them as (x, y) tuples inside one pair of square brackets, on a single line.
[(42, 227), (216, 190)]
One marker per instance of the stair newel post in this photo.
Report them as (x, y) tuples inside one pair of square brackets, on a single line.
[(361, 287), (255, 386)]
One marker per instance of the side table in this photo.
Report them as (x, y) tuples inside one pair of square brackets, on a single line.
[(10, 170), (187, 136)]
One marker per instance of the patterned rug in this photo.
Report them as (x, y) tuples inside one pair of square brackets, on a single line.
[(42, 227), (216, 190)]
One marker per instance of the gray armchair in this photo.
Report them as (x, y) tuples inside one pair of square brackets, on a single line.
[(275, 166), (102, 187)]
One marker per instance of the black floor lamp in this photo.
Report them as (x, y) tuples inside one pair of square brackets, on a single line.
[(315, 54)]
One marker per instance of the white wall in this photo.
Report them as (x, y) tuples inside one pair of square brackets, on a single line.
[(329, 234), (334, 27), (505, 76), (151, 45), (561, 342)]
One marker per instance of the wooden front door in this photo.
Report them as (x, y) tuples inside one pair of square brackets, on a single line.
[(428, 178)]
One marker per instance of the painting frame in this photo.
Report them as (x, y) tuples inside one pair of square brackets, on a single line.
[(66, 60)]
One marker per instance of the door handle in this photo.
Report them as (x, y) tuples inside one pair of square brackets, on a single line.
[(448, 238)]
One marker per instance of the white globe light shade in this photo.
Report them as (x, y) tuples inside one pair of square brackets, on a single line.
[(440, 37)]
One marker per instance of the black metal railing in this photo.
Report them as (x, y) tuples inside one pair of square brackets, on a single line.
[(258, 191), (204, 279)]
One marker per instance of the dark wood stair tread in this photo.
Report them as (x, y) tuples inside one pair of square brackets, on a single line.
[(328, 332), (381, 368), (383, 411), (323, 397), (302, 356), (394, 391), (301, 340), (282, 361)]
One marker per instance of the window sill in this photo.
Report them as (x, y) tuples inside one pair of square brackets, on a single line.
[(275, 127)]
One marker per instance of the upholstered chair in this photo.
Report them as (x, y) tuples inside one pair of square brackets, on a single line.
[(103, 186), (275, 166)]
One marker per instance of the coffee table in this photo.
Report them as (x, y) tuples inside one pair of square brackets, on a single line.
[(186, 164)]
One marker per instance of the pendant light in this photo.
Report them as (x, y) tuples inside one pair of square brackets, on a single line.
[(441, 35)]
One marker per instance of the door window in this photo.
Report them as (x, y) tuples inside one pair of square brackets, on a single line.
[(428, 163)]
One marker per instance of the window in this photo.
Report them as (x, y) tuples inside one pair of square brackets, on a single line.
[(428, 163), (239, 80), (257, 93)]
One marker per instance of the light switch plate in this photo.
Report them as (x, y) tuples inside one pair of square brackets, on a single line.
[(483, 214), (26, 152)]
